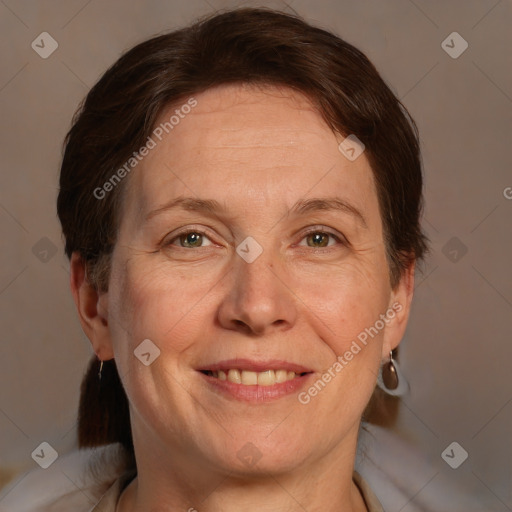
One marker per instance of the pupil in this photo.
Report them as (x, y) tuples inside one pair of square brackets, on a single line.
[(192, 239), (319, 238)]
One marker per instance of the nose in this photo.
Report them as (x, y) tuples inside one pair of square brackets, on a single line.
[(258, 299)]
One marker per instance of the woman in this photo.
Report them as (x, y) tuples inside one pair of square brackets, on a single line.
[(240, 201)]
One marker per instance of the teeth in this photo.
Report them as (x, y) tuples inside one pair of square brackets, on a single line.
[(248, 378), (234, 376), (266, 378), (281, 375)]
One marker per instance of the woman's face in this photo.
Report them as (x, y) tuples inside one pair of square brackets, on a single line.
[(283, 267)]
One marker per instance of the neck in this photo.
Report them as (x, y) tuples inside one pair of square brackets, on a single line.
[(133, 500), (179, 483)]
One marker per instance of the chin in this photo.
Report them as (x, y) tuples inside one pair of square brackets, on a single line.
[(260, 455)]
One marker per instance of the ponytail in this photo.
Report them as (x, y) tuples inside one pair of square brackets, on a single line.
[(103, 413)]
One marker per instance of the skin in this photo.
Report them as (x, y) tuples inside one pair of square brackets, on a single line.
[(257, 151)]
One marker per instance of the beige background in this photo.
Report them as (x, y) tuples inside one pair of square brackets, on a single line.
[(457, 354)]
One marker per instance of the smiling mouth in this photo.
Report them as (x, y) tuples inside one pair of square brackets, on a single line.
[(250, 378)]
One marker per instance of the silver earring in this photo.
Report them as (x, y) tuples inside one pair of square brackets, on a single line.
[(101, 368), (391, 379)]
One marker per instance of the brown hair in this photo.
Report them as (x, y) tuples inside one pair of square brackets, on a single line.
[(254, 46)]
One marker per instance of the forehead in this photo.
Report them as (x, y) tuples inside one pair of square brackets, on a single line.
[(243, 143)]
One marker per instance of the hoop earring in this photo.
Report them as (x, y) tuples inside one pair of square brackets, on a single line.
[(101, 368), (391, 379)]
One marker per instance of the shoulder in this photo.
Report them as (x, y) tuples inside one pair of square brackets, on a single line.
[(404, 474), (75, 481)]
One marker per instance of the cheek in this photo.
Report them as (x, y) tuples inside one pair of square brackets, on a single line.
[(155, 302), (150, 304), (344, 307), (347, 300)]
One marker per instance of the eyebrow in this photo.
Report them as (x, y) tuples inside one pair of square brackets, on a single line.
[(304, 206), (189, 203), (301, 207)]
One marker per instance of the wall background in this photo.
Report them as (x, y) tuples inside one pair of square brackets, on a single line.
[(457, 353)]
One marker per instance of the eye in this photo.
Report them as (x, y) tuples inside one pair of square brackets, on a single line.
[(196, 238), (190, 239), (320, 238)]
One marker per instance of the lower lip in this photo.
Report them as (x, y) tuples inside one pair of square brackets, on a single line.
[(257, 393)]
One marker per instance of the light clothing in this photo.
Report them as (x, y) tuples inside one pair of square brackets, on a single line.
[(402, 476)]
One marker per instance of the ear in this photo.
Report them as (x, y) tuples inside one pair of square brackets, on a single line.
[(92, 307), (398, 311)]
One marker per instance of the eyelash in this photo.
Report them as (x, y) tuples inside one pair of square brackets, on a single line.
[(319, 229), (311, 231)]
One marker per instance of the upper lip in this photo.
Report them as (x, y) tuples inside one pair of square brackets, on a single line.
[(255, 366)]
